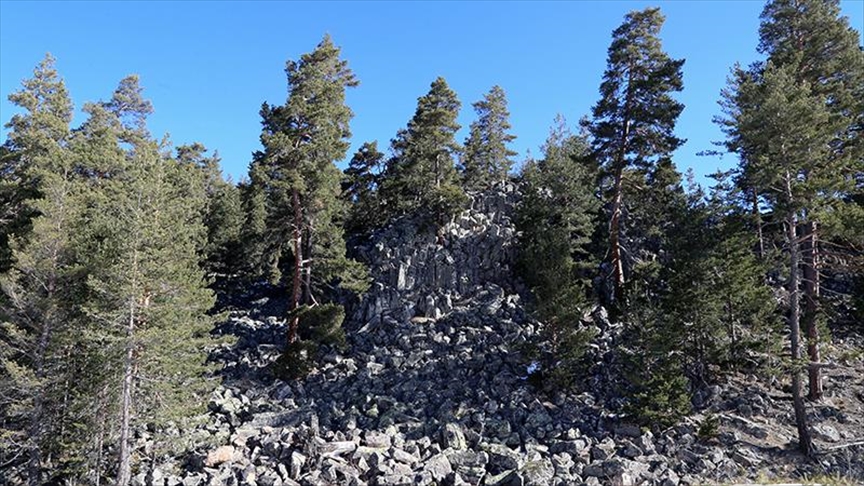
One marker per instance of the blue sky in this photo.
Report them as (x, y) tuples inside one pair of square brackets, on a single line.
[(208, 66)]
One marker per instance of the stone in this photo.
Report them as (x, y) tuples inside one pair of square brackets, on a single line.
[(468, 459), (538, 472), (628, 430), (506, 478), (501, 457), (438, 466), (826, 432), (296, 463), (336, 448), (376, 439), (452, 437), (219, 455), (402, 456), (395, 480)]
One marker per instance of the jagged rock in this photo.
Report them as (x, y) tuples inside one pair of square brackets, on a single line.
[(461, 459), (438, 466), (501, 457), (538, 472), (432, 388), (452, 437), (219, 455), (506, 478)]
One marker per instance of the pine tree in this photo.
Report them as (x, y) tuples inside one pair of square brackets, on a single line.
[(360, 186), (253, 265), (487, 159), (822, 52), (785, 125), (38, 304), (633, 122), (33, 135), (223, 215), (148, 296), (421, 175), (556, 220), (296, 172)]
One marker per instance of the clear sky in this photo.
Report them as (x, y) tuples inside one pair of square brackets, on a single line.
[(208, 66)]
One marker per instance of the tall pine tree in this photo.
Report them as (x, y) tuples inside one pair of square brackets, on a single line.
[(421, 175), (556, 219), (823, 53), (633, 122), (487, 158), (301, 183)]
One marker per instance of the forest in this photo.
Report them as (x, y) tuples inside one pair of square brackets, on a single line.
[(122, 254)]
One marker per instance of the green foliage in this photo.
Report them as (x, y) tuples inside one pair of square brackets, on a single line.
[(223, 213), (319, 326), (487, 159), (36, 136), (322, 325), (254, 264), (296, 361), (421, 177), (632, 136), (555, 220), (659, 391), (709, 428), (296, 178), (359, 189)]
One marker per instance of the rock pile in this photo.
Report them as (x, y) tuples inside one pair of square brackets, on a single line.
[(433, 392), (420, 272)]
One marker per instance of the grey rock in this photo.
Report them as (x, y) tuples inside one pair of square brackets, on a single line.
[(296, 463), (506, 478), (467, 458), (452, 437), (538, 472), (501, 457), (438, 466)]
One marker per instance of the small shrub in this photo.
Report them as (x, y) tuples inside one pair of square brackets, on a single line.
[(709, 428), (318, 326)]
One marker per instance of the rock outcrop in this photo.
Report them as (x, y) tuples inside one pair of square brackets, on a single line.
[(433, 392), (420, 272)]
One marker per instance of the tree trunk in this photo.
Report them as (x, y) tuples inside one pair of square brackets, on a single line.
[(615, 241), (307, 297), (811, 307), (618, 198), (124, 472), (757, 219), (805, 444), (297, 283), (34, 464)]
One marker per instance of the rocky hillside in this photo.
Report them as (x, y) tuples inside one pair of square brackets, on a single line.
[(433, 391)]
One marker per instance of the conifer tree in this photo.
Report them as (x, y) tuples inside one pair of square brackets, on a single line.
[(33, 134), (633, 122), (421, 175), (296, 172), (253, 254), (487, 158), (148, 295), (786, 125), (822, 52), (38, 305), (556, 220), (223, 214), (360, 186)]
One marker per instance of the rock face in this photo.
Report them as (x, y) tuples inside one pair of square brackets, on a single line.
[(420, 272), (433, 390)]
